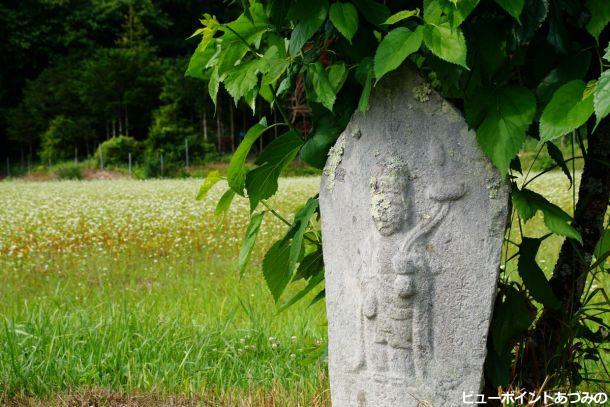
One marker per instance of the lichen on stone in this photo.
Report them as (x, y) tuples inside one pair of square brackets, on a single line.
[(422, 92), (335, 155), (356, 132)]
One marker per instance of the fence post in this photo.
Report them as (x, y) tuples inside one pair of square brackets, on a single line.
[(129, 157), (8, 166), (162, 164), (75, 155), (186, 143)]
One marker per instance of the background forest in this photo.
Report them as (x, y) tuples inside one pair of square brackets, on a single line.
[(76, 73)]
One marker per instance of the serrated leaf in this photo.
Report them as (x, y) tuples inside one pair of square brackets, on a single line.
[(566, 111), (208, 183), (236, 174), (528, 202), (507, 116), (557, 156), (344, 17), (275, 268), (261, 182), (574, 67), (301, 221), (600, 16), (198, 63), (395, 47), (401, 15), (324, 91), (512, 7), (249, 240), (446, 42), (461, 11), (532, 275), (242, 79), (310, 15), (601, 98)]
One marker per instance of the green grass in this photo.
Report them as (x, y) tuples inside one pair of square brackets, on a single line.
[(112, 289), (130, 286)]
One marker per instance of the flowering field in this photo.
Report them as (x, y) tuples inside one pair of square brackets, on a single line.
[(119, 292), (131, 287)]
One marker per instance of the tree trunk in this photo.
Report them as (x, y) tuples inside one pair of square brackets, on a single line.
[(548, 352)]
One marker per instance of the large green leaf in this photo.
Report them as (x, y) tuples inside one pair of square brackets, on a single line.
[(249, 239), (261, 182), (199, 61), (396, 46), (324, 90), (600, 16), (224, 203), (275, 267), (208, 183), (344, 17), (242, 79), (601, 98), (512, 7), (507, 115), (567, 111), (574, 67), (301, 221), (528, 202), (532, 275), (236, 174), (311, 284), (446, 43), (310, 15)]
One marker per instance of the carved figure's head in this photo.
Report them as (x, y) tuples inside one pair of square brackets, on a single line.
[(389, 203)]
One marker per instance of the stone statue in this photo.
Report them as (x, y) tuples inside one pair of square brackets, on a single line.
[(403, 186)]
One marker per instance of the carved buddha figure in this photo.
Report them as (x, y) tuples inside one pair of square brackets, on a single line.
[(395, 280)]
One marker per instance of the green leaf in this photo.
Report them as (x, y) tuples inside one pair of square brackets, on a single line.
[(199, 61), (575, 67), (249, 239), (401, 15), (324, 90), (337, 74), (344, 17), (602, 247), (532, 275), (311, 284), (301, 221), (365, 75), (512, 7), (213, 85), (566, 111), (507, 116), (275, 268), (208, 183), (528, 202), (236, 174), (242, 79), (600, 16), (273, 65), (607, 53), (446, 43), (601, 98), (261, 182), (224, 203), (315, 150), (311, 265), (310, 15), (461, 11), (557, 156), (374, 12), (396, 46)]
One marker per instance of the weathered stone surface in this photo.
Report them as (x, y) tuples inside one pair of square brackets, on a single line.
[(413, 216)]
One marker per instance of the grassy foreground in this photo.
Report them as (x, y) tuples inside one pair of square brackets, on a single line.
[(126, 293)]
